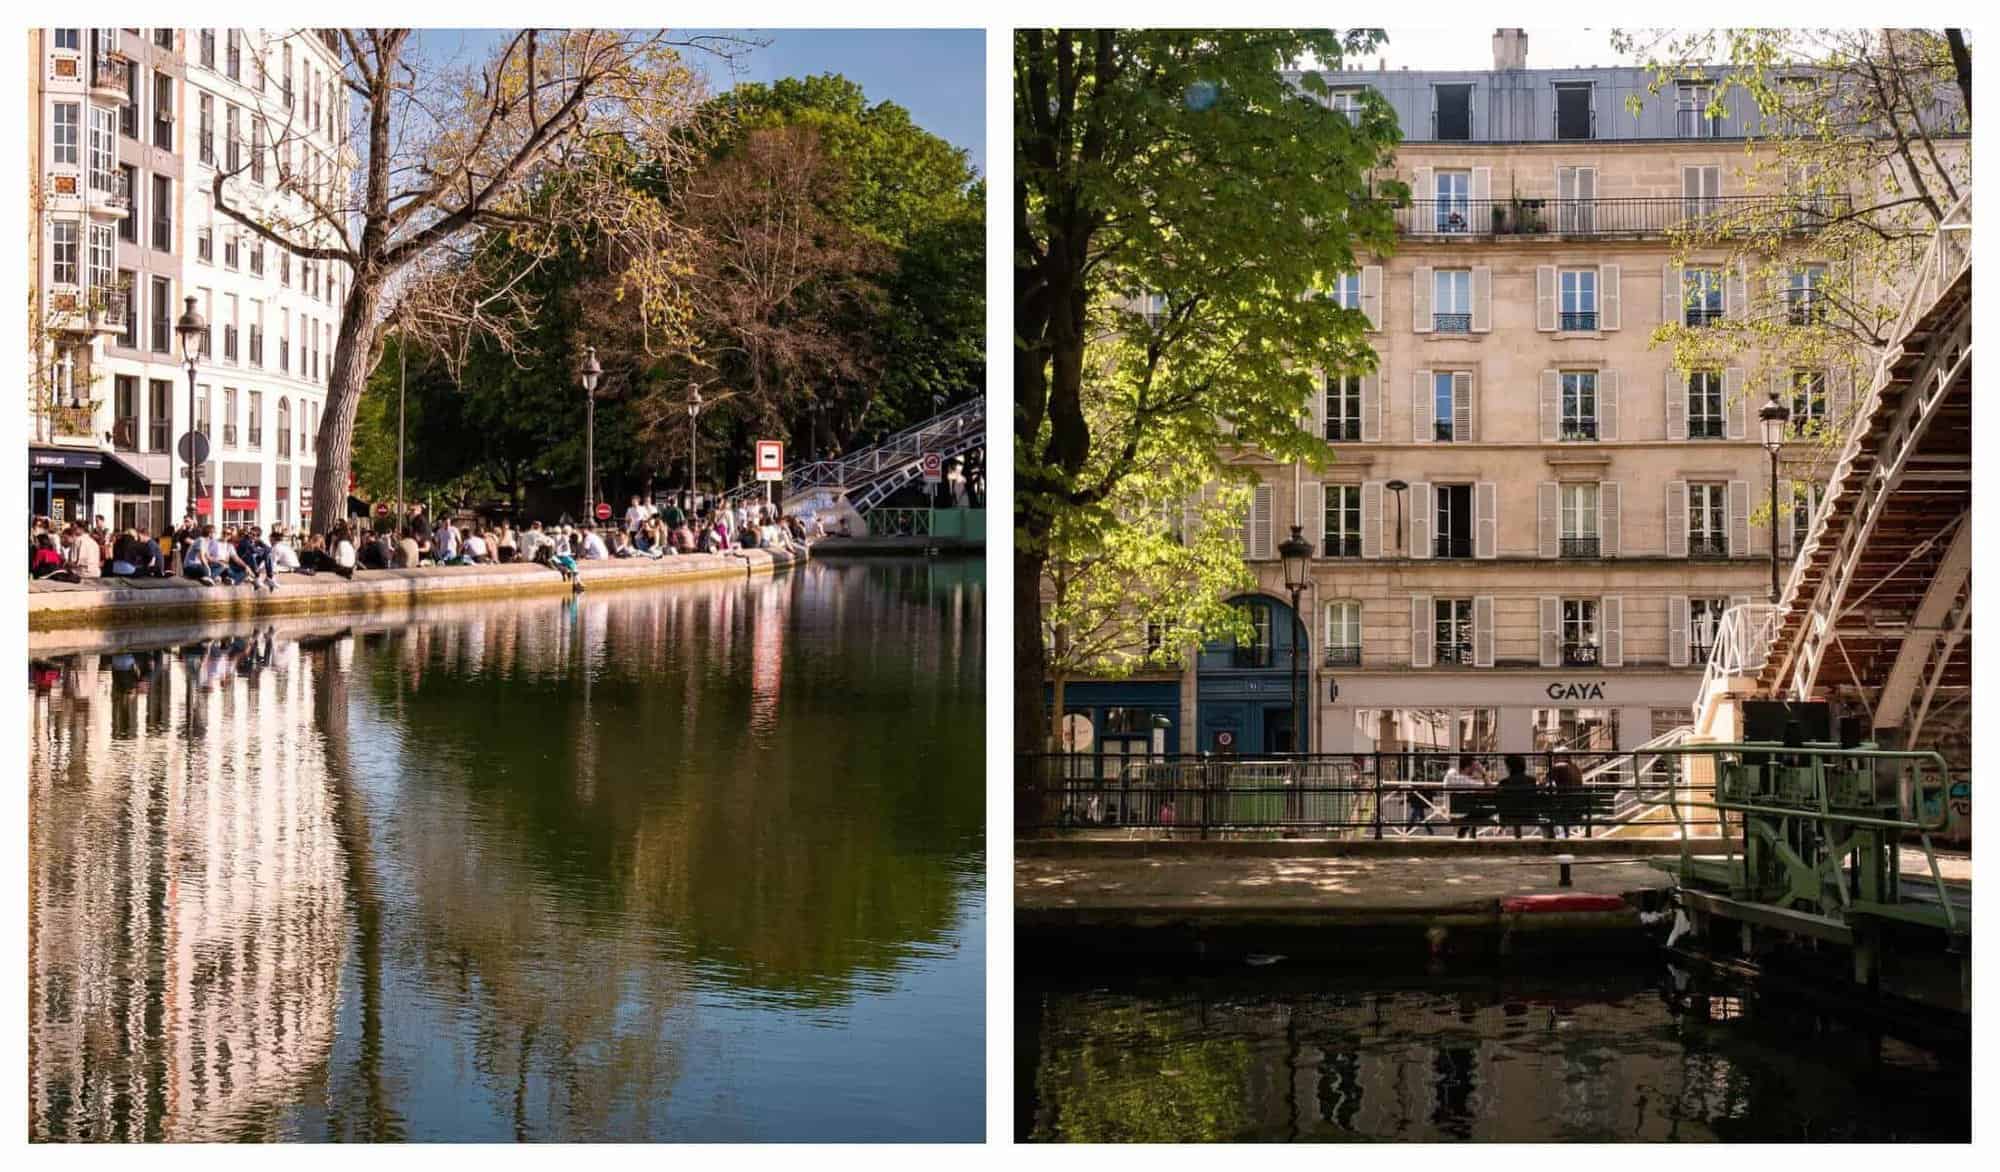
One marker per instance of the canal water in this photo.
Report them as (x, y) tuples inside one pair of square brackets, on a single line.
[(705, 862), (1283, 1053)]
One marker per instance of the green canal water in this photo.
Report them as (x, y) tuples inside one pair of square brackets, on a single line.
[(698, 863), (1290, 1053)]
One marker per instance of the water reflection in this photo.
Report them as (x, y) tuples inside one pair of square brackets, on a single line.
[(702, 862), (1601, 1056)]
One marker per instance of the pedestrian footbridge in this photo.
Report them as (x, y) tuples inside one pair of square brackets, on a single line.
[(860, 481)]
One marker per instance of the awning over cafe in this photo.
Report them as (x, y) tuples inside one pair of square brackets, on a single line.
[(104, 471)]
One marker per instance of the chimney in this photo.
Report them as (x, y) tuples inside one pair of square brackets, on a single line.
[(1510, 49)]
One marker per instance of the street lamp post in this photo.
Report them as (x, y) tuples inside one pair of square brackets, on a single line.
[(1398, 487), (694, 414), (193, 333), (1774, 416), (1296, 553), (588, 374)]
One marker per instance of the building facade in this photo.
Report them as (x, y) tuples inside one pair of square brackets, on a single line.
[(133, 128)]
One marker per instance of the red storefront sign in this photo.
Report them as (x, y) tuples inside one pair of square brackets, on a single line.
[(239, 499)]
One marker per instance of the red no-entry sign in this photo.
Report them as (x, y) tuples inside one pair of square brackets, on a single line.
[(603, 511), (381, 508)]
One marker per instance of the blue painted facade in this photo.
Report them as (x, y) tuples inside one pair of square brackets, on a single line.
[(1125, 715), (1244, 693)]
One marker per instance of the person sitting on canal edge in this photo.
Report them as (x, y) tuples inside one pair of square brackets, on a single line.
[(1516, 793)]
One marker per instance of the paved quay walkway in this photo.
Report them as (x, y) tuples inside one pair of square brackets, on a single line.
[(112, 601)]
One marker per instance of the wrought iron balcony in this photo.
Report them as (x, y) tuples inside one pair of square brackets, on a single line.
[(107, 76), (159, 433), (1706, 428), (1582, 321), (1446, 546), (1707, 546), (1343, 431), (1579, 654), (1343, 656), (1579, 429), (228, 435), (1341, 545), (1700, 652), (1459, 652), (73, 420), (1582, 547), (1698, 316), (1451, 323), (1629, 216)]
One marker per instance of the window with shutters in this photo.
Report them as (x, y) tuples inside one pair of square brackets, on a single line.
[(1579, 405), (1708, 520), (1581, 536), (1344, 291), (1579, 632), (1701, 192), (1452, 201), (1453, 117), (1704, 621), (1808, 402), (65, 133), (1343, 633), (1578, 291), (1805, 296), (1705, 402), (1446, 392), (257, 150), (1343, 408), (160, 420), (1452, 630), (1701, 296), (229, 416), (1691, 114), (1806, 496), (1451, 301), (256, 420), (284, 427), (1341, 532), (1452, 509)]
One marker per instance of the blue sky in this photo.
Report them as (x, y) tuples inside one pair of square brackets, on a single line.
[(939, 75)]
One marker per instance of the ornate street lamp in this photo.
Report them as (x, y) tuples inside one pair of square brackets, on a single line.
[(192, 330), (694, 414), (1296, 553), (1774, 417), (588, 374)]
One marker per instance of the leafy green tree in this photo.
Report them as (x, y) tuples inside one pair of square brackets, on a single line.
[(1179, 188)]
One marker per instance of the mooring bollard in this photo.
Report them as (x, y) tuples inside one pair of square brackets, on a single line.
[(1564, 861)]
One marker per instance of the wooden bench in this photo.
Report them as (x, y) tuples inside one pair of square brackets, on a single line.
[(1542, 807)]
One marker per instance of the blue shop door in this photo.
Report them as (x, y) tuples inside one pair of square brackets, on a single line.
[(1225, 728), (1278, 730)]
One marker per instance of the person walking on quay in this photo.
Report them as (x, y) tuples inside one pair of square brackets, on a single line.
[(1567, 782), (1516, 793)]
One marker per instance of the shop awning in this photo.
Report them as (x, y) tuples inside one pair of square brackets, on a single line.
[(106, 471)]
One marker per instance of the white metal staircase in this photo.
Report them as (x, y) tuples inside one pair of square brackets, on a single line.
[(868, 477)]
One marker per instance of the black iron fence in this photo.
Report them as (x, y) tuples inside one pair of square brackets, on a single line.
[(1637, 215), (1581, 547), (1419, 793)]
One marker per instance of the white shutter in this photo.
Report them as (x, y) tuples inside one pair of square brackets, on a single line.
[(1371, 406), (1260, 545), (1607, 404), (1677, 405), (1611, 625), (1551, 409), (1545, 297), (1423, 408), (1420, 630), (1422, 186), (1420, 519), (1312, 515), (1315, 421), (1609, 508), (1677, 518), (1482, 631), (1609, 304), (1566, 183), (1371, 295), (1551, 641), (1736, 295), (1371, 519), (1462, 419), (1482, 299), (1739, 518), (1548, 519), (1420, 299), (1673, 299), (1677, 631), (1736, 403), (1482, 187), (1788, 538), (1486, 524)]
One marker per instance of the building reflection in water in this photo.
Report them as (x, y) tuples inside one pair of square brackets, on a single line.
[(185, 907)]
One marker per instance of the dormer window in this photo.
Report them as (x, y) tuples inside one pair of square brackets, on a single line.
[(1453, 117)]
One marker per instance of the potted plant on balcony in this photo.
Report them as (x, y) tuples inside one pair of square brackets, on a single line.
[(1499, 220)]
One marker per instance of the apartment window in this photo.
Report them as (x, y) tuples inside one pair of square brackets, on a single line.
[(163, 213), (1579, 405), (128, 226), (1579, 521), (128, 332), (286, 85), (234, 62), (285, 267), (160, 414), (1341, 537), (1708, 519), (229, 416), (163, 37), (1346, 103), (202, 414), (207, 132), (204, 244), (1705, 405), (69, 38), (63, 261), (1578, 308), (208, 48), (229, 250), (1704, 623), (103, 159), (256, 344), (100, 257), (1454, 112), (257, 258), (1452, 634), (1805, 295), (1451, 391), (233, 143), (284, 427), (1453, 190), (1579, 632), (1575, 118), (1701, 291), (1691, 117), (128, 113), (65, 132), (1344, 291), (1343, 408), (1808, 401), (256, 420), (257, 150), (1451, 301), (163, 111), (125, 412), (1805, 506), (285, 350), (1701, 191), (160, 325), (1452, 506), (229, 342), (1343, 634)]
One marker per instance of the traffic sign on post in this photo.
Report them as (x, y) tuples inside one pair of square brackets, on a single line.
[(603, 510), (381, 508), (193, 447), (770, 460), (933, 467)]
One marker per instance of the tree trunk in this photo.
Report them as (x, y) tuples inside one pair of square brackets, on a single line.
[(1961, 63), (1031, 665), (355, 352)]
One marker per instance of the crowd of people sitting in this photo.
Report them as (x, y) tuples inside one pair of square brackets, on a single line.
[(234, 554)]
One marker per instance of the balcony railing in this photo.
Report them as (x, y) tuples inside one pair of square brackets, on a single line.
[(1579, 429), (1343, 657), (1582, 547), (107, 72), (159, 433), (1451, 323), (256, 437), (73, 420), (1446, 546), (1459, 652), (1706, 428), (1343, 431), (1707, 546), (228, 435), (1630, 216), (1579, 654), (1586, 320), (1341, 545)]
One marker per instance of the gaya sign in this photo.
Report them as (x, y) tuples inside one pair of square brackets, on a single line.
[(1576, 690)]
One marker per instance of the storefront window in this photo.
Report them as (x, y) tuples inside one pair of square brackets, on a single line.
[(1582, 730), (1479, 730)]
